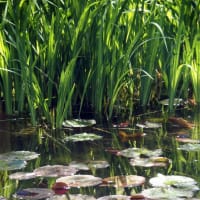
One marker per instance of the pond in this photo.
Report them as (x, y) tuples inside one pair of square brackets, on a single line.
[(152, 157)]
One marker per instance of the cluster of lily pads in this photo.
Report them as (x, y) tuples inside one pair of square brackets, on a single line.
[(66, 177)]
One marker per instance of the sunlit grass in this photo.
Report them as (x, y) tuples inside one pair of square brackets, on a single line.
[(54, 56)]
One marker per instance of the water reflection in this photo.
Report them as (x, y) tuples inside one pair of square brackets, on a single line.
[(50, 144)]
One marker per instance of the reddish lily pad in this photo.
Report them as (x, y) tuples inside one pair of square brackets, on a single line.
[(79, 123), (124, 181), (187, 140), (80, 180), (83, 137), (60, 188), (22, 175), (55, 171), (34, 193)]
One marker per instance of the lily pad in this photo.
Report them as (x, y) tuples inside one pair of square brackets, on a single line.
[(115, 197), (78, 123), (33, 193), (19, 155), (79, 165), (83, 137), (55, 171), (148, 124), (80, 180), (72, 197), (190, 147), (173, 180), (12, 164), (124, 181), (169, 193), (22, 175), (98, 164), (139, 152), (150, 162)]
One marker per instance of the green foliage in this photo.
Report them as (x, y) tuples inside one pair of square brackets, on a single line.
[(54, 56)]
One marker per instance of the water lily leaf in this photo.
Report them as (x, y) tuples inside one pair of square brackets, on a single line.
[(80, 180), (140, 152), (83, 137), (169, 193), (22, 175), (55, 171), (79, 165), (34, 193), (148, 124), (12, 164), (98, 164), (60, 188), (150, 162), (123, 181), (190, 147), (72, 197), (19, 155), (115, 197), (173, 180), (79, 123), (187, 140)]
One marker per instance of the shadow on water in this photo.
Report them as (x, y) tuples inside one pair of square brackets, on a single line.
[(17, 135)]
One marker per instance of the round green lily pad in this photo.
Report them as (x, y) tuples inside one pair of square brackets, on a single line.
[(83, 137)]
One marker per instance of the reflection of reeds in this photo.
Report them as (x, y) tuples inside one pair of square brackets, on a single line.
[(56, 55)]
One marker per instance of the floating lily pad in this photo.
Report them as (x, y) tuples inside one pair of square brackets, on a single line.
[(80, 180), (139, 152), (124, 181), (34, 193), (55, 171), (22, 175), (150, 162), (79, 123), (19, 155), (115, 197), (72, 197), (187, 140), (98, 164), (79, 165), (169, 193), (148, 124), (83, 137), (173, 180), (12, 164), (190, 147)]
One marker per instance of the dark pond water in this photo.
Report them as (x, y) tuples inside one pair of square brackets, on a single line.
[(18, 135)]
